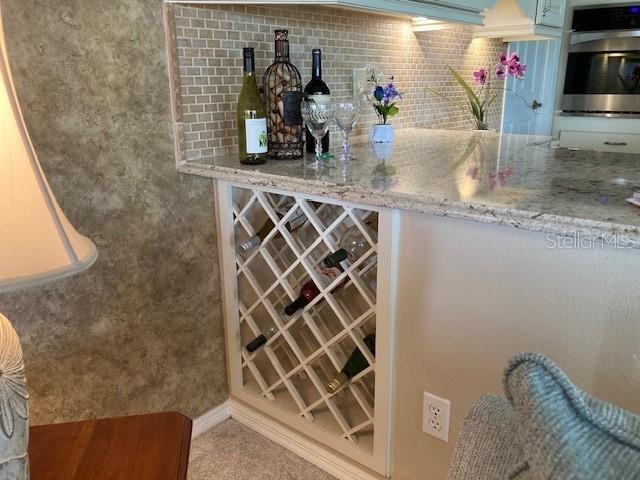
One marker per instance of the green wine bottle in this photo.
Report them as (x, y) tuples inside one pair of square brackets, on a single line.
[(356, 364), (252, 121), (353, 244)]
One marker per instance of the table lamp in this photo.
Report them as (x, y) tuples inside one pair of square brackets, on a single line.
[(37, 245)]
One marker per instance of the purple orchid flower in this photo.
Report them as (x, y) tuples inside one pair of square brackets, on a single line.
[(517, 70), (500, 72), (504, 60), (480, 76), (391, 92)]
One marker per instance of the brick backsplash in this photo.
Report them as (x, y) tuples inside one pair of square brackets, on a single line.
[(210, 39)]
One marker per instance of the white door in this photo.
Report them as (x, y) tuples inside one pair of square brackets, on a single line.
[(551, 13), (542, 58)]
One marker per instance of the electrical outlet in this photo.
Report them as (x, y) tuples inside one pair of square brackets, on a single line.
[(435, 416)]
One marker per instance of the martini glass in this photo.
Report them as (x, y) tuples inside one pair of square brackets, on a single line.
[(347, 115), (318, 117)]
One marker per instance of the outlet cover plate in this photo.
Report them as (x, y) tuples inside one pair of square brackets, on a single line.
[(436, 413)]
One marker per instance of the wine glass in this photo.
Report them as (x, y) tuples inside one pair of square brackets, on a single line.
[(318, 117), (347, 115)]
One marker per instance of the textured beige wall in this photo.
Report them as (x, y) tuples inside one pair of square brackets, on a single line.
[(210, 41), (140, 331), (473, 295)]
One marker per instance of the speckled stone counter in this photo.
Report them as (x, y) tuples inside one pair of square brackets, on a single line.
[(516, 180)]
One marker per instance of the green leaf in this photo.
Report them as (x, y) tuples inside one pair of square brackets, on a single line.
[(489, 101), (475, 109), (476, 104), (393, 110)]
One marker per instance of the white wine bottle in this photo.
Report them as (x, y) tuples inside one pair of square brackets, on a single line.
[(296, 220), (253, 141), (356, 363)]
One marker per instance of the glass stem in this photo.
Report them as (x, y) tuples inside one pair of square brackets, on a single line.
[(346, 150), (318, 148)]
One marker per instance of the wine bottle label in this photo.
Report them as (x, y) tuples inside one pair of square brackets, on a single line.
[(257, 140), (329, 274), (320, 98), (292, 113)]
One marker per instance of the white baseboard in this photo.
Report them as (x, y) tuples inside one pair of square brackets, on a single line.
[(211, 418), (321, 457), (313, 453)]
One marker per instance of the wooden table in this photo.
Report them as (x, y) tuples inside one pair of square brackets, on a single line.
[(141, 447)]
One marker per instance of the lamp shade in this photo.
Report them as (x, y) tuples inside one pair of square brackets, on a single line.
[(37, 242)]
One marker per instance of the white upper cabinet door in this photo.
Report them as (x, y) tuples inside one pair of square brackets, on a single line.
[(551, 13)]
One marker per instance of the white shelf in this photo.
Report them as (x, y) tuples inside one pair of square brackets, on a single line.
[(458, 11)]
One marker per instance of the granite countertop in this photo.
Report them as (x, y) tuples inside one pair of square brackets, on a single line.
[(517, 180)]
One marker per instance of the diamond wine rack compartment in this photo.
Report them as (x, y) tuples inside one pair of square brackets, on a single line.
[(299, 325)]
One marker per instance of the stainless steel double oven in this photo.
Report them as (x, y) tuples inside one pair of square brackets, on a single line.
[(603, 67)]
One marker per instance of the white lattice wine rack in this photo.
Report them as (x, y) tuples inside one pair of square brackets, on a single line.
[(287, 378)]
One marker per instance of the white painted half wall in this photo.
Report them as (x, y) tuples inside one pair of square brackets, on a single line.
[(473, 295)]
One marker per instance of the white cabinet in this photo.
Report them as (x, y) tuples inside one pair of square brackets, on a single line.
[(460, 11), (551, 13), (472, 5), (601, 141), (521, 20)]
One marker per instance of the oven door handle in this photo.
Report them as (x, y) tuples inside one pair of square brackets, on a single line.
[(616, 144), (582, 37)]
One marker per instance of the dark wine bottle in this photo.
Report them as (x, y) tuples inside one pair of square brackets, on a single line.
[(353, 244), (252, 121), (260, 340), (309, 290), (356, 363), (318, 91)]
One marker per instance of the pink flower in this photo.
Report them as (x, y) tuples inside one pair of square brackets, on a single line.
[(517, 70), (480, 76), (510, 65)]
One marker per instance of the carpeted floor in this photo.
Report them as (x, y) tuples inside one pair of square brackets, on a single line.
[(231, 451)]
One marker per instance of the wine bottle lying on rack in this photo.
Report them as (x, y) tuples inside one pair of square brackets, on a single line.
[(352, 244), (309, 290), (296, 220), (356, 363), (260, 340)]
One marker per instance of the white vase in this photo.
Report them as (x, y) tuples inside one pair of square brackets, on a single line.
[(382, 134), (382, 151)]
